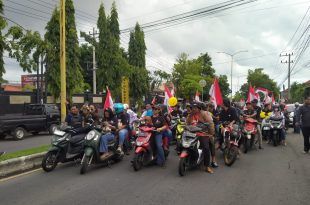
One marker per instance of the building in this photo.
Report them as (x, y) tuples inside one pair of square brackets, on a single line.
[(11, 87)]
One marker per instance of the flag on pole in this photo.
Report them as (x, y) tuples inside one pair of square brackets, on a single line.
[(251, 94), (173, 90), (215, 94), (168, 95), (197, 98), (264, 91), (108, 100), (154, 100)]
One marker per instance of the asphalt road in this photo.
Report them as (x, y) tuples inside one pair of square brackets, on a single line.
[(275, 175), (30, 141)]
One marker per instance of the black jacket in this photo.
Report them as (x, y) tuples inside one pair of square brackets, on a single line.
[(303, 115)]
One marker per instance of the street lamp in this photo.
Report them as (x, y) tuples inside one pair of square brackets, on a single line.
[(231, 68)]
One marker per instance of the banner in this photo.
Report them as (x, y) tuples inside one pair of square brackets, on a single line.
[(125, 90)]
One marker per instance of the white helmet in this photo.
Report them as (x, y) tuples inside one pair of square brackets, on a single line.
[(296, 104), (126, 106)]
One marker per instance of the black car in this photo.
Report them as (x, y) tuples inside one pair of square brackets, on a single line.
[(34, 119)]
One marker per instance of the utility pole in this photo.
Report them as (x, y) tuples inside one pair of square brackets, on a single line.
[(41, 78), (63, 92), (288, 74), (231, 69), (94, 63)]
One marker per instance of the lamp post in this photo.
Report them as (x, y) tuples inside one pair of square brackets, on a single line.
[(231, 67)]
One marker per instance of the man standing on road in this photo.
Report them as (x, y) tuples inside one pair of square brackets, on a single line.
[(303, 120)]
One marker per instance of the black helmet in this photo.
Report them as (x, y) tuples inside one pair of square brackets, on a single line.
[(197, 105)]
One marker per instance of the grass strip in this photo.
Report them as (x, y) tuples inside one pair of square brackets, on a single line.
[(25, 152)]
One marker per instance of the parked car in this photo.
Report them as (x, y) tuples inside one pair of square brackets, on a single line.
[(34, 119), (290, 108)]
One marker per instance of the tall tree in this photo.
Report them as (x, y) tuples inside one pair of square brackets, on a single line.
[(102, 54), (114, 25), (75, 82), (86, 61), (137, 48)]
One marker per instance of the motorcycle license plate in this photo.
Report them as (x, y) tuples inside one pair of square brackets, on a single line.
[(189, 134), (142, 134), (266, 128)]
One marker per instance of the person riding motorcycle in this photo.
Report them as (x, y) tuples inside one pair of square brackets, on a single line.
[(229, 115), (109, 122), (278, 114), (74, 119), (197, 117), (159, 122)]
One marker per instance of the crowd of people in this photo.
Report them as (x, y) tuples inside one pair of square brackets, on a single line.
[(119, 120)]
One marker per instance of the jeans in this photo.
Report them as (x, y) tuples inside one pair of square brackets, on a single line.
[(168, 134), (306, 134), (160, 150), (212, 146), (283, 134), (104, 142), (122, 136), (205, 150), (259, 135)]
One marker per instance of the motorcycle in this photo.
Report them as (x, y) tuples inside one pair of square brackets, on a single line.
[(276, 126), (232, 137), (179, 133), (91, 149), (145, 151), (67, 145), (191, 155), (266, 129), (249, 131)]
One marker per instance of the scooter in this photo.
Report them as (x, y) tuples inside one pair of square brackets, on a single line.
[(249, 132), (145, 151), (266, 128), (91, 149), (232, 137), (191, 155), (67, 145), (276, 125), (179, 133)]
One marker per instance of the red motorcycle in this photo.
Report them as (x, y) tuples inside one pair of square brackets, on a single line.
[(232, 136), (145, 150), (249, 132)]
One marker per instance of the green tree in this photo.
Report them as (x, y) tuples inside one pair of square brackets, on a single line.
[(139, 77), (297, 92), (187, 73), (224, 85), (86, 62), (137, 48), (257, 78), (75, 82), (102, 54), (158, 77)]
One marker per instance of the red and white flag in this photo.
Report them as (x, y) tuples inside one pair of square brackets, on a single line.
[(173, 90), (197, 98), (264, 91), (108, 100), (251, 94), (168, 94), (215, 94)]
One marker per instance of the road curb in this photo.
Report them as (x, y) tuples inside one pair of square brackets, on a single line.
[(21, 164)]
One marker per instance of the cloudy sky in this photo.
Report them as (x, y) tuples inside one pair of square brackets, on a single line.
[(263, 28)]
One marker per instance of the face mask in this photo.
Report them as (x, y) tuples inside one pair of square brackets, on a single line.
[(276, 109)]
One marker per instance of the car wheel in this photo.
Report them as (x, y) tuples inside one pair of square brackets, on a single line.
[(19, 133)]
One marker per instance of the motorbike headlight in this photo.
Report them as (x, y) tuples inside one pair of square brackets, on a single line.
[(90, 135), (139, 143), (186, 144)]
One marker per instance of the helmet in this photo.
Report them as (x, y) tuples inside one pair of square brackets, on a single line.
[(275, 106), (173, 101), (118, 108), (126, 106), (296, 104)]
